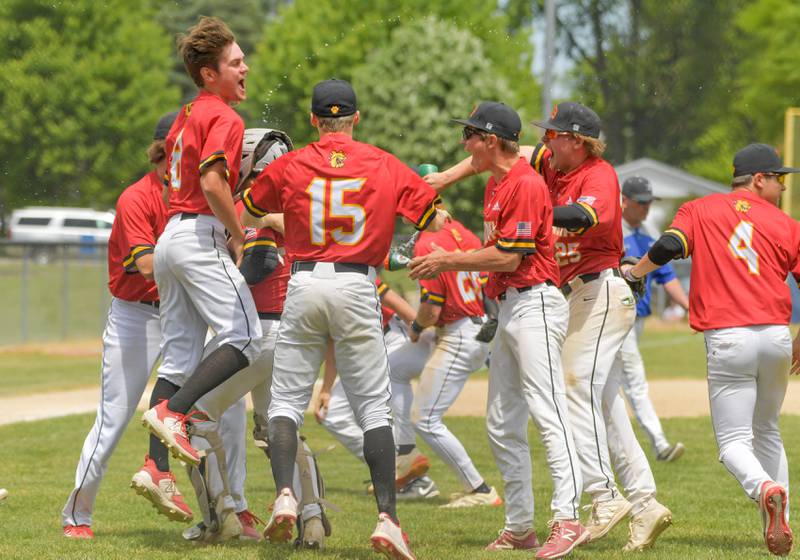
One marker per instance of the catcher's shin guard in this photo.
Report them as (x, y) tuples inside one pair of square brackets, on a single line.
[(260, 437), (312, 491)]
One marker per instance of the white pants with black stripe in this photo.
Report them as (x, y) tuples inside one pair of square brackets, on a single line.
[(455, 356), (526, 380), (748, 372), (601, 312), (200, 288), (130, 349), (340, 420)]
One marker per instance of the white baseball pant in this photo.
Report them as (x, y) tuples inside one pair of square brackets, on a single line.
[(339, 419), (634, 383), (456, 354), (200, 288), (601, 312), (748, 371), (323, 304), (130, 349), (525, 379)]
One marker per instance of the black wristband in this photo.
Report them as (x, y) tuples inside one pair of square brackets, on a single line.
[(416, 327)]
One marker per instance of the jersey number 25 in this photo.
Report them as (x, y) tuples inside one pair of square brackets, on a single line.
[(326, 202)]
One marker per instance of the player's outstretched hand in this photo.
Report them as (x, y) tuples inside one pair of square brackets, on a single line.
[(437, 180), (321, 406), (637, 285), (430, 265)]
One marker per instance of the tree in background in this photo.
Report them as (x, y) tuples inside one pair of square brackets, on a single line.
[(311, 41), (430, 71), (82, 87)]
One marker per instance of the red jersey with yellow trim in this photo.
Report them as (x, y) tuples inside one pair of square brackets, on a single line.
[(206, 131), (386, 313), (594, 186), (340, 198), (140, 219), (518, 217), (459, 293), (742, 250)]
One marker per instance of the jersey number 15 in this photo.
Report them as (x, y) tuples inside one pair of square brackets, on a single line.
[(326, 202)]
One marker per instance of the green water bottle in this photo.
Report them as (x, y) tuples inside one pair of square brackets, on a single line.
[(427, 168)]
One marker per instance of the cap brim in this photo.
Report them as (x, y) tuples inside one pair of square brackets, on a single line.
[(787, 170), (468, 122), (548, 125), (644, 199)]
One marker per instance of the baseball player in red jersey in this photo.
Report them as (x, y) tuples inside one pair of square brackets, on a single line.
[(585, 194), (525, 374), (741, 243), (339, 198), (130, 344), (199, 283), (453, 304)]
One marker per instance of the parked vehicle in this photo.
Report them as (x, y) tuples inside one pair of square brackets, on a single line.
[(49, 226)]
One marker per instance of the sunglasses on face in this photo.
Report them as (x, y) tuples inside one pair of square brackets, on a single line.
[(780, 177), (551, 134), (469, 132)]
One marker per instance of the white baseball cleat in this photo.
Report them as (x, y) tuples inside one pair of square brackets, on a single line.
[(3, 494), (605, 516), (283, 518), (647, 525), (473, 499), (671, 453), (390, 540), (161, 490)]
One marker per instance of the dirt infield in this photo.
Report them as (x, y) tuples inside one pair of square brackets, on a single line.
[(672, 398)]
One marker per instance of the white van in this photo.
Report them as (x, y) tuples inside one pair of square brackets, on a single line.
[(44, 224)]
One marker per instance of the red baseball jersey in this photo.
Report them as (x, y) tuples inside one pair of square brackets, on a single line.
[(595, 186), (140, 219), (386, 313), (518, 216), (206, 130), (742, 250), (459, 293), (340, 198)]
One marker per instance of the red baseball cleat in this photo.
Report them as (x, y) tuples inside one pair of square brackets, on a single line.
[(78, 532), (564, 536), (777, 534), (160, 489), (249, 522), (509, 541), (170, 428)]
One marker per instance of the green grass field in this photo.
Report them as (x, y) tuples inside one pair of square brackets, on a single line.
[(24, 373), (713, 519)]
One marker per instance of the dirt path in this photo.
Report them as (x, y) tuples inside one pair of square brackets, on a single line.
[(672, 398)]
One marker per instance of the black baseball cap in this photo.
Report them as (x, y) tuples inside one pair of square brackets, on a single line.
[(495, 118), (164, 124), (759, 158), (333, 98), (638, 188), (572, 117)]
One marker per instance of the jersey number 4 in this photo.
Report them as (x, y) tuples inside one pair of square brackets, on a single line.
[(327, 202), (741, 246)]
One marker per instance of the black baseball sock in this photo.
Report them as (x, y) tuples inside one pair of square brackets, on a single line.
[(163, 389), (283, 450), (405, 449), (212, 372), (379, 455)]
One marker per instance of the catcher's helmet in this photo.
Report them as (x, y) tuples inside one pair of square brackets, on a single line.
[(260, 147)]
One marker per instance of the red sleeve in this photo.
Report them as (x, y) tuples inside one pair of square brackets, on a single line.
[(520, 217), (682, 228), (137, 224), (263, 196), (598, 195), (433, 291), (416, 199), (223, 142)]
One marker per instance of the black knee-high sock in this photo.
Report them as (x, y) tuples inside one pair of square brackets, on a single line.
[(379, 455), (163, 389), (282, 451), (212, 372)]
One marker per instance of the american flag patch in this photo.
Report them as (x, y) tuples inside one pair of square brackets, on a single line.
[(523, 229)]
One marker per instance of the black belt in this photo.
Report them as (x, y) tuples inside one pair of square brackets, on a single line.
[(566, 289), (308, 266), (386, 328), (151, 303), (502, 297), (188, 216), (269, 316), (478, 320)]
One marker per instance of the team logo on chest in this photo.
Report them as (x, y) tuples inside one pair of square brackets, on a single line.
[(741, 206), (337, 158)]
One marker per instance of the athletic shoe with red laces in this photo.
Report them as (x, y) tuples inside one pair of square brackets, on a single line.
[(170, 428), (160, 489), (564, 536), (283, 518), (510, 541), (249, 522), (390, 540), (78, 532), (777, 534), (408, 467)]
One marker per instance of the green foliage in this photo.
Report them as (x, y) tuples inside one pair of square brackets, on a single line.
[(430, 71), (310, 41), (82, 87)]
